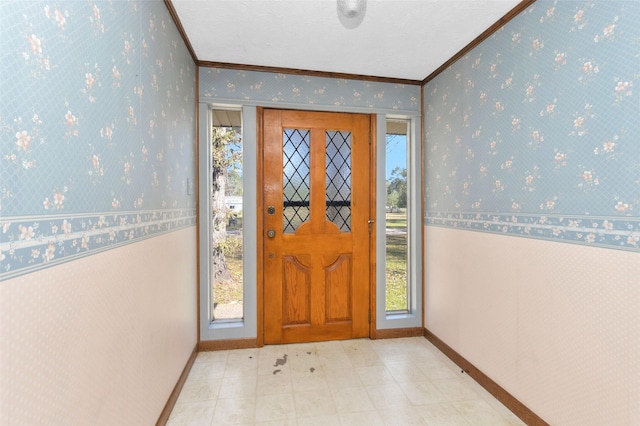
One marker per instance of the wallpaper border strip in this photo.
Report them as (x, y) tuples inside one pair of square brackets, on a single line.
[(606, 232), (262, 88), (31, 243)]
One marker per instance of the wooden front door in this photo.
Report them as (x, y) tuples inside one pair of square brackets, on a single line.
[(316, 230)]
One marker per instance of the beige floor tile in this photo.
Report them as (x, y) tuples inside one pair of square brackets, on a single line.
[(234, 411), (207, 370), (473, 385), (374, 375), (442, 414), (243, 353), (273, 351), (199, 390), (334, 360), (426, 361), (422, 393), (275, 407), (491, 400), (448, 363), (211, 356), (237, 387), (314, 403), (285, 422), (369, 418), (325, 420), (401, 415), (405, 371), (192, 413), (303, 364), (357, 345), (368, 360), (423, 356), (390, 352), (391, 357), (479, 412), (436, 369), (274, 384), (454, 389), (354, 382), (294, 349), (503, 411), (309, 381), (386, 395), (330, 346), (350, 400), (342, 378), (274, 365), (245, 364)]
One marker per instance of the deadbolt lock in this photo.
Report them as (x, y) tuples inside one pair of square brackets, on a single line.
[(271, 210), (271, 233)]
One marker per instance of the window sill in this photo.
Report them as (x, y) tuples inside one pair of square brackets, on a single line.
[(222, 324), (390, 316)]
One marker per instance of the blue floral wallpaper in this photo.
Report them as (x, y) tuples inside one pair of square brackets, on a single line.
[(97, 129), (267, 89), (536, 132)]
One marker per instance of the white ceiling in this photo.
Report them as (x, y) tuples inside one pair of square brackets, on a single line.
[(405, 39)]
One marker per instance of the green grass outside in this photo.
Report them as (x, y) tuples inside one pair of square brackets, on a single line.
[(396, 263), (396, 220), (232, 290)]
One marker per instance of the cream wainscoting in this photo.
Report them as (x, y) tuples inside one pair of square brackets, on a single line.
[(102, 339), (556, 325)]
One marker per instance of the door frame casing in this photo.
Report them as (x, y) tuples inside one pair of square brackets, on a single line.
[(260, 222), (246, 328), (413, 318), (250, 329)]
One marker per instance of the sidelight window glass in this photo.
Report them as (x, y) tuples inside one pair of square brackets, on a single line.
[(396, 217), (226, 200)]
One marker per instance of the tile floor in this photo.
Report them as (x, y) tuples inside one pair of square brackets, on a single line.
[(353, 382)]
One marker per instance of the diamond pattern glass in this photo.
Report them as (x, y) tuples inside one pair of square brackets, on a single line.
[(297, 175), (338, 179)]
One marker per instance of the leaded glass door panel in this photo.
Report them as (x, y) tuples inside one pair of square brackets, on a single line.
[(316, 206)]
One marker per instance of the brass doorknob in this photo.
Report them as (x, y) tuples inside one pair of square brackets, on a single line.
[(271, 233)]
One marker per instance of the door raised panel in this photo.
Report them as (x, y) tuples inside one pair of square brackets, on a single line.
[(296, 292), (338, 289)]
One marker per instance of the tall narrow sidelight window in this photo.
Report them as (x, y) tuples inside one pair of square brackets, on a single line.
[(226, 216), (397, 294)]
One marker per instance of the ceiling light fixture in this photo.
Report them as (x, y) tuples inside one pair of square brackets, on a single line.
[(351, 8), (351, 12)]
